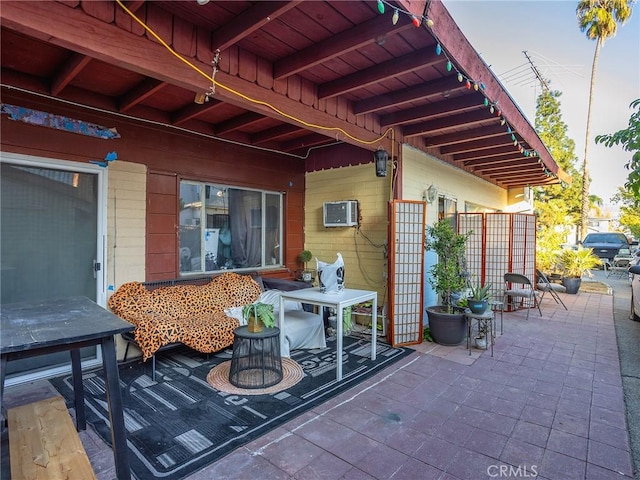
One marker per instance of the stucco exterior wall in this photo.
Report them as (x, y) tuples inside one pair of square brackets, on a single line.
[(363, 249)]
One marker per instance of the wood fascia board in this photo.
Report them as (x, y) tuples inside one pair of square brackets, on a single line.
[(424, 112), (469, 61), (362, 34), (249, 21), (407, 63), (406, 95), (72, 29)]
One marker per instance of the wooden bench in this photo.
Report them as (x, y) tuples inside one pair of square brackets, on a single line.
[(43, 443)]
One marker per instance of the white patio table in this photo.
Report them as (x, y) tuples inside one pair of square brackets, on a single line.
[(339, 301)]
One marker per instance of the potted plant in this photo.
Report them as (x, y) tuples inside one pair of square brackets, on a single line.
[(478, 301), (258, 314), (574, 264), (447, 323), (307, 274)]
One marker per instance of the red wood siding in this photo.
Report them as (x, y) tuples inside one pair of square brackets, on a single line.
[(170, 155)]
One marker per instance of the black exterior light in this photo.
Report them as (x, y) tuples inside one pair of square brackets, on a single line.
[(381, 156)]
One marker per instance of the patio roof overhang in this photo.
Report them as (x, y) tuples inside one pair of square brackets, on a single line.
[(290, 75)]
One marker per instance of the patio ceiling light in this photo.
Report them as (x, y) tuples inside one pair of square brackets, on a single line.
[(381, 157)]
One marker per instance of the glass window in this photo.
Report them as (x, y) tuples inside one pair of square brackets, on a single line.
[(448, 208), (228, 228)]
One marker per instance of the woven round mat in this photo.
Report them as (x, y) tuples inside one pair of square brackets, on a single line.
[(218, 378)]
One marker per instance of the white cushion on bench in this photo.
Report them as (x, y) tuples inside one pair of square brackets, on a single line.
[(302, 329)]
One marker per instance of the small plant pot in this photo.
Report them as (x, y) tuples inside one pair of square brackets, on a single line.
[(307, 275), (477, 306), (254, 325), (481, 343)]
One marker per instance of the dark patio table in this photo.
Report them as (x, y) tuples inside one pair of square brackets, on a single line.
[(30, 329)]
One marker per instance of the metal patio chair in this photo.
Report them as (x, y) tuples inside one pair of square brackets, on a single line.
[(544, 285), (519, 292)]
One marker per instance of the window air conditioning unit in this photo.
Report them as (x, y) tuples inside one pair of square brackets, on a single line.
[(340, 214)]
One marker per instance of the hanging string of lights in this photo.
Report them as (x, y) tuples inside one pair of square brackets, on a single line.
[(470, 83), (220, 85)]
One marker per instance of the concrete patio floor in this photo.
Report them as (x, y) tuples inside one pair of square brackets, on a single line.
[(549, 404)]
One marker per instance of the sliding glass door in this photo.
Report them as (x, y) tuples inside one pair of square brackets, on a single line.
[(50, 242)]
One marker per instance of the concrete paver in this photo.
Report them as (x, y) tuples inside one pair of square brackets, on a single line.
[(560, 399)]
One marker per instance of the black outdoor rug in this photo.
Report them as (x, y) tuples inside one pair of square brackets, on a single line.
[(179, 423)]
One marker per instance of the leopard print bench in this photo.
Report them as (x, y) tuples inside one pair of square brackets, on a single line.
[(189, 314)]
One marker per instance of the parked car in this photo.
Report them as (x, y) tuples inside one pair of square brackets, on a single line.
[(634, 273), (606, 245)]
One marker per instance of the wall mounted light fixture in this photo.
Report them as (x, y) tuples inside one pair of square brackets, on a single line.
[(430, 194), (381, 157)]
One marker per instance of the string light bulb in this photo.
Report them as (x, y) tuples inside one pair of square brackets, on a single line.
[(394, 19), (475, 86), (380, 6), (415, 20), (449, 66), (438, 49), (429, 23), (460, 77), (468, 85)]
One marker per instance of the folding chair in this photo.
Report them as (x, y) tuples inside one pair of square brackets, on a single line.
[(544, 285), (620, 263), (519, 292)]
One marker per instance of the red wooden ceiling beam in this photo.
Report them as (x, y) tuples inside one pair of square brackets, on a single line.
[(249, 21), (405, 64), (465, 135), (452, 121), (407, 95), (347, 41), (427, 111)]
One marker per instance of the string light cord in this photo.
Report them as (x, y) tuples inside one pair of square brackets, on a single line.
[(470, 83), (216, 83)]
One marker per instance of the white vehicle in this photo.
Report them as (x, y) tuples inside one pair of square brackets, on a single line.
[(634, 273)]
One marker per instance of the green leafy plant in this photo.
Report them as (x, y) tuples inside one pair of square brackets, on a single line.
[(575, 263), (305, 257), (480, 292), (260, 311), (426, 335), (448, 275)]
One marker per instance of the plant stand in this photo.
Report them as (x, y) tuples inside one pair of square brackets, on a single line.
[(256, 361), (485, 323)]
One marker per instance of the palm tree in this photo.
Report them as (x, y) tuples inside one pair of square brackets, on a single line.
[(599, 20)]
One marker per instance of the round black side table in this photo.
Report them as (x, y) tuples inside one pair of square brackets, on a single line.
[(256, 361)]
